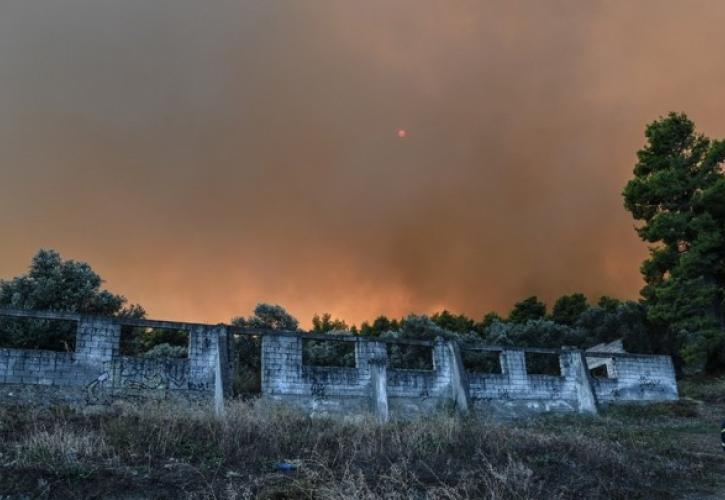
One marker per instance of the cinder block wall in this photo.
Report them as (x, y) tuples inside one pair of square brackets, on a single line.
[(414, 392), (515, 391), (95, 373), (322, 390), (95, 343), (317, 389), (418, 392), (632, 377)]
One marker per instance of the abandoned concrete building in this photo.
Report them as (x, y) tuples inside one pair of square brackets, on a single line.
[(96, 373)]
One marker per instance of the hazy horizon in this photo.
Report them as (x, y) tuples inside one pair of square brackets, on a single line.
[(204, 157)]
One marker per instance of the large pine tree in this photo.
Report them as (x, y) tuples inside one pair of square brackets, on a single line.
[(678, 192)]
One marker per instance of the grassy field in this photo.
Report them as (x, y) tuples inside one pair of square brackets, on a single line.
[(160, 451)]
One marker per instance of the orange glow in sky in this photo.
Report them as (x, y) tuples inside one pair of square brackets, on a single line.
[(206, 156)]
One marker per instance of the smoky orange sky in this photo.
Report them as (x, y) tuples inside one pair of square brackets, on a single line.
[(206, 156)]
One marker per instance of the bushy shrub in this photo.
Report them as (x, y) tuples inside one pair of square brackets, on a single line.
[(617, 320), (419, 327), (54, 284), (268, 317), (535, 333), (329, 353), (166, 351), (140, 341)]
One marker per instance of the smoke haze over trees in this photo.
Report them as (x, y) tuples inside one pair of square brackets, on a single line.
[(678, 192), (206, 156)]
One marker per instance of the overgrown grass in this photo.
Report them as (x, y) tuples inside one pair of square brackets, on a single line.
[(709, 390), (162, 450)]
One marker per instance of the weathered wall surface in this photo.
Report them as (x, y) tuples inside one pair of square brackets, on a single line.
[(321, 390), (96, 373), (449, 386), (412, 392), (317, 389), (516, 391), (633, 377), (415, 392)]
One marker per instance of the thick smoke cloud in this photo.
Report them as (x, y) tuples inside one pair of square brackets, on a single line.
[(204, 156)]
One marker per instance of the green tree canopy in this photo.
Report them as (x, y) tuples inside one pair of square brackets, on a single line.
[(455, 323), (325, 323), (54, 284), (606, 302), (568, 308), (528, 309), (268, 316), (612, 320), (536, 333), (380, 325), (489, 318), (419, 327), (678, 193), (480, 327)]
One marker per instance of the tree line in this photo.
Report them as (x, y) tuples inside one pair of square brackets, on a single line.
[(677, 195)]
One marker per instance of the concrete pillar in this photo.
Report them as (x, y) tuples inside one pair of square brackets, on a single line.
[(379, 383), (514, 364), (221, 371), (97, 339), (459, 380), (223, 350), (203, 356), (367, 351), (281, 363), (582, 380)]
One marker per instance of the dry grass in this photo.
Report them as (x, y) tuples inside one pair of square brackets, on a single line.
[(709, 390), (161, 451)]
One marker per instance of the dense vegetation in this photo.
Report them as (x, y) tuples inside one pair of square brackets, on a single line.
[(54, 284), (57, 285)]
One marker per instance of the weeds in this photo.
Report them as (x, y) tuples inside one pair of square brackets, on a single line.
[(709, 390), (163, 450)]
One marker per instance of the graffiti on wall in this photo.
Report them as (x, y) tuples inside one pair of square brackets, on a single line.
[(318, 390), (156, 374)]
